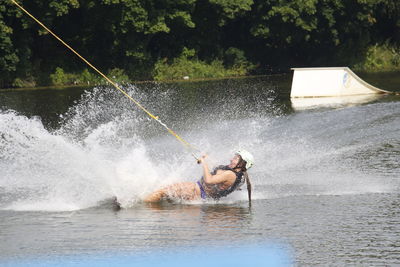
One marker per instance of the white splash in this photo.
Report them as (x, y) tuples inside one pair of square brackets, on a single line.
[(104, 149)]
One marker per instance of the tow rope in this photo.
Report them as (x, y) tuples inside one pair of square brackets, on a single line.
[(186, 144)]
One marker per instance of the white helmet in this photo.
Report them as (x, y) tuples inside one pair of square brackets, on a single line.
[(246, 156)]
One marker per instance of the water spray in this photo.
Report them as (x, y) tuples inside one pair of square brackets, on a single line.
[(186, 144)]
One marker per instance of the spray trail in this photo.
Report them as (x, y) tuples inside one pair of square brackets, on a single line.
[(105, 148), (87, 160)]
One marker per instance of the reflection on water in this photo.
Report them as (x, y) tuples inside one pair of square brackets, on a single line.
[(333, 102), (389, 81), (212, 217), (47, 104)]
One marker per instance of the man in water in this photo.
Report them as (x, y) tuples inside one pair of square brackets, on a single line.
[(222, 181)]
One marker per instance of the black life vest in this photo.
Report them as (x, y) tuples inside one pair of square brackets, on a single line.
[(214, 191)]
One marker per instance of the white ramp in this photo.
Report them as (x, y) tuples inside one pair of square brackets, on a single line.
[(322, 82)]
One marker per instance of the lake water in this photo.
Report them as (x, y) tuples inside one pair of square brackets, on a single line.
[(326, 177)]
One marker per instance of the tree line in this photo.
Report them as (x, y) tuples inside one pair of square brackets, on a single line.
[(150, 39)]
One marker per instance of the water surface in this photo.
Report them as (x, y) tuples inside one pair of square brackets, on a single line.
[(326, 178)]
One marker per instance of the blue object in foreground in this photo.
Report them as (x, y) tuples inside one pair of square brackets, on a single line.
[(266, 255)]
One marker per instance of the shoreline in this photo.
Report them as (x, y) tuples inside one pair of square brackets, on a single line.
[(361, 73), (63, 87)]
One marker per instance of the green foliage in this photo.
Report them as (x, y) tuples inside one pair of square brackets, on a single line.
[(23, 83), (118, 75), (59, 77), (230, 9), (131, 38), (62, 6), (9, 58), (188, 65), (182, 67), (8, 54), (318, 32), (88, 78), (380, 58), (236, 58)]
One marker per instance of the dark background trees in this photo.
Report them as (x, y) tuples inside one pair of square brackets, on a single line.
[(135, 35)]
